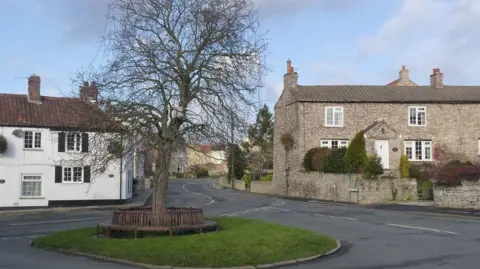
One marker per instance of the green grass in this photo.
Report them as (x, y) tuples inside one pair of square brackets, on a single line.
[(239, 242)]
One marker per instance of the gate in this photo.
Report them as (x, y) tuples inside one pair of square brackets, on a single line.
[(424, 190)]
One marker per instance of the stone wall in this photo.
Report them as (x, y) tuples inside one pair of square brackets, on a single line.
[(466, 195), (342, 188), (266, 187), (239, 185), (144, 184)]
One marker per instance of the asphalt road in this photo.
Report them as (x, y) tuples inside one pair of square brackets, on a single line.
[(371, 238)]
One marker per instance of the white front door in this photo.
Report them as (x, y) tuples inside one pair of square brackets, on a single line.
[(382, 148)]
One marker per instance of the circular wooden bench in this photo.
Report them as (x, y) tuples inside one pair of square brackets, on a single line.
[(143, 219)]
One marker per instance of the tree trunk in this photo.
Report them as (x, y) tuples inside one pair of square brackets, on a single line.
[(162, 162)]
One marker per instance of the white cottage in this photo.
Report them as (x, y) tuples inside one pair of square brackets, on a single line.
[(45, 139)]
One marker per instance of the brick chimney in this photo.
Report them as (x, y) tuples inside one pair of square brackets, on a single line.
[(89, 92), (34, 89), (436, 79), (290, 79)]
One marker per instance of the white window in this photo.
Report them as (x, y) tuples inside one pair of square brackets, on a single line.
[(73, 142), (418, 150), (72, 175), (31, 186), (32, 140), (334, 116), (334, 144), (417, 116)]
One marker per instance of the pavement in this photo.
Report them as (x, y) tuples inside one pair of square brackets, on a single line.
[(139, 199), (372, 238)]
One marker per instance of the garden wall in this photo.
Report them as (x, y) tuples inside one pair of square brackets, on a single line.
[(266, 187), (466, 195), (343, 188), (238, 184)]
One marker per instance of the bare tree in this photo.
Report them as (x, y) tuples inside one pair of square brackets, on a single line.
[(179, 70)]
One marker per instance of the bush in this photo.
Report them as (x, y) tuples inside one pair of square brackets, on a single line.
[(248, 178), (313, 159), (404, 166), (200, 172), (373, 167), (179, 175), (268, 177), (3, 144), (453, 176), (356, 154), (333, 162), (414, 172)]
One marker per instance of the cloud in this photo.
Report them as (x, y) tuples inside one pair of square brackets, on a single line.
[(277, 8), (430, 34), (81, 20)]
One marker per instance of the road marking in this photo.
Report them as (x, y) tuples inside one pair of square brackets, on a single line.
[(421, 228), (55, 221), (283, 209), (20, 237), (461, 212), (184, 186), (335, 217)]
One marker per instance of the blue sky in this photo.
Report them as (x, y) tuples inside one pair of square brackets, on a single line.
[(329, 41)]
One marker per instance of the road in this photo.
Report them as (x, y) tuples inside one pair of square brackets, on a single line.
[(371, 238)]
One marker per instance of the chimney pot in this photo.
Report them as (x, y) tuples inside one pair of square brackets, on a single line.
[(290, 69), (291, 78), (34, 89), (404, 74), (436, 79), (89, 91)]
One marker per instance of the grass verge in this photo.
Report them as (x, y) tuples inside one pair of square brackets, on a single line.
[(239, 242)]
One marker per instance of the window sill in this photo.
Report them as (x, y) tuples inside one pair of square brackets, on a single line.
[(333, 126), (66, 182), (420, 161), (31, 198), (32, 149), (414, 125)]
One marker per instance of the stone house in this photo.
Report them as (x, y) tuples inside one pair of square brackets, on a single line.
[(398, 118)]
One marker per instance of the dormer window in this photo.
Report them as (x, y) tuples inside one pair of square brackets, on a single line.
[(417, 116)]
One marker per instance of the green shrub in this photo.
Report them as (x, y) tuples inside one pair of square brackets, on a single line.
[(404, 166), (414, 172), (200, 171), (3, 144), (268, 177), (313, 159), (356, 154), (373, 167), (333, 162), (179, 175), (248, 178)]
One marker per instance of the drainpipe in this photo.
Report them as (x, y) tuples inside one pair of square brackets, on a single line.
[(121, 164), (134, 152)]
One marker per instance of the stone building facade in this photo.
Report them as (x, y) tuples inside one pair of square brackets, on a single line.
[(399, 118)]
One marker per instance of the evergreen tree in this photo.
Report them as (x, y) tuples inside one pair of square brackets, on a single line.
[(260, 140), (239, 161), (356, 155)]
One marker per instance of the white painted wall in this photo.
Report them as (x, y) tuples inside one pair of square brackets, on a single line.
[(17, 161)]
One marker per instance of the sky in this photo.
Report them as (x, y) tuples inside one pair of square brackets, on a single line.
[(328, 41)]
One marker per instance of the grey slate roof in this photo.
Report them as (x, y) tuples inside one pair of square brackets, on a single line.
[(387, 94)]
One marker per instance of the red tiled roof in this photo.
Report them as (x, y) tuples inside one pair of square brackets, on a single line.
[(53, 112)]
